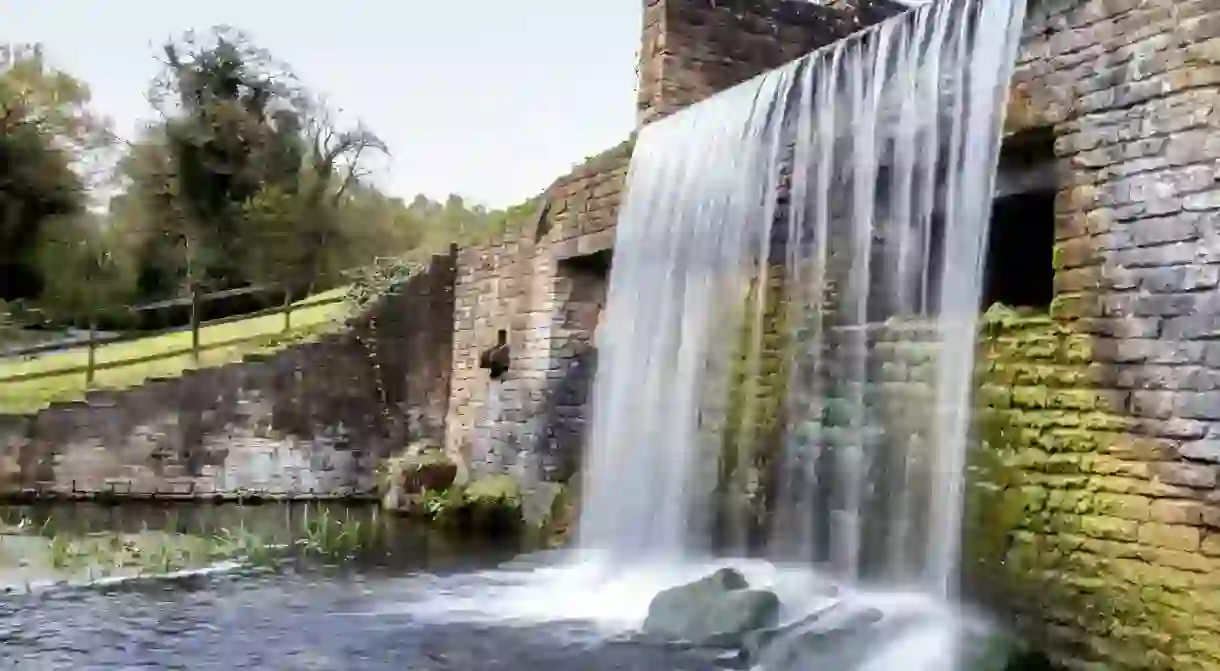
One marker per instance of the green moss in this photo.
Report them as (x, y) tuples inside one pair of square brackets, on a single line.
[(1054, 510), (754, 418), (497, 490)]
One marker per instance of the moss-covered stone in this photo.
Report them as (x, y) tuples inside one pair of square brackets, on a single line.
[(491, 505), (405, 480), (1066, 524), (755, 407)]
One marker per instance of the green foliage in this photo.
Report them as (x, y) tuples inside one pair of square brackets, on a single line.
[(84, 272), (373, 281), (496, 490), (243, 178), (37, 111), (63, 553), (244, 544), (438, 502), (328, 536)]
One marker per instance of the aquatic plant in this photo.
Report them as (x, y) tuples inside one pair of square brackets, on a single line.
[(437, 502), (63, 554), (243, 544), (324, 534), (164, 558)]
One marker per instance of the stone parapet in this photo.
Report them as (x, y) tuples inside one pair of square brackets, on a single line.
[(693, 49)]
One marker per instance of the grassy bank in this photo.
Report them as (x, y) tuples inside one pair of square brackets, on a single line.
[(39, 552), (266, 334)]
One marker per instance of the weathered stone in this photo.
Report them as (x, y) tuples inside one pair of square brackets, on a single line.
[(1109, 528), (1189, 475), (1211, 545), (719, 608), (1170, 511), (1173, 536), (1125, 506), (1204, 405), (1201, 450)]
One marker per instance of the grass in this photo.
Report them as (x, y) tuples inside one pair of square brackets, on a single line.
[(33, 395), (40, 553)]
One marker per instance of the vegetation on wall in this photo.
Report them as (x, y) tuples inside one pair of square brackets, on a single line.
[(1066, 522), (758, 386)]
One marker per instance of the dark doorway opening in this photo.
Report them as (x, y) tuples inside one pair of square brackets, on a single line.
[(1019, 251), (1020, 247)]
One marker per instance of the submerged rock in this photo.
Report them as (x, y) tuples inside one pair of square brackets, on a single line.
[(716, 610), (841, 637)]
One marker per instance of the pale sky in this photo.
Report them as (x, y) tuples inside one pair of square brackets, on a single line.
[(485, 98)]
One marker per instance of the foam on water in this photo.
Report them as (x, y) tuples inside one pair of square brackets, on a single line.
[(614, 600)]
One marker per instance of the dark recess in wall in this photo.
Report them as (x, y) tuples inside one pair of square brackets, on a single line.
[(1019, 271), (1019, 266)]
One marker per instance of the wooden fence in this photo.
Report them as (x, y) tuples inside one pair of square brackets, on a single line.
[(91, 367)]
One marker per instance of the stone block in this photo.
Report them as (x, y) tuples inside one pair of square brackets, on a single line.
[(1211, 545), (1172, 511), (1178, 559), (1172, 536), (1203, 405), (1201, 450), (1185, 474), (1123, 506), (1109, 528)]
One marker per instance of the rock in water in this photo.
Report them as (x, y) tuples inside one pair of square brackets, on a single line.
[(718, 609)]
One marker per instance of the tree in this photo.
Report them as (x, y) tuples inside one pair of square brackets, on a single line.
[(226, 107), (87, 277), (45, 130), (148, 217)]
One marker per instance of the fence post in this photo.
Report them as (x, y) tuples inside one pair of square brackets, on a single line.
[(195, 323), (92, 351), (287, 310)]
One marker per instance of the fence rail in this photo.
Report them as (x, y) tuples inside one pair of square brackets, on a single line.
[(196, 348), (127, 491)]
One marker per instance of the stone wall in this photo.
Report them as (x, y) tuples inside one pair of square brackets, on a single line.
[(537, 283), (309, 421), (1103, 418), (693, 49), (1097, 535)]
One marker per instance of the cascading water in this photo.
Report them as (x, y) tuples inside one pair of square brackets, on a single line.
[(786, 352), (855, 185)]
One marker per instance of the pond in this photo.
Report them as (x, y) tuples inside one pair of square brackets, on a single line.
[(272, 587), (335, 587)]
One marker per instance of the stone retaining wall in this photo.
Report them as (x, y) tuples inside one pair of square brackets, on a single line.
[(310, 421)]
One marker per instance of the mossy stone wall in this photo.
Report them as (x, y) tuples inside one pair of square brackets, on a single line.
[(754, 413), (1101, 541)]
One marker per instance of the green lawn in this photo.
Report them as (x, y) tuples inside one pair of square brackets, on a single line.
[(24, 397)]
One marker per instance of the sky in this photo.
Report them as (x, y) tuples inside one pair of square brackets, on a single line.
[(488, 99)]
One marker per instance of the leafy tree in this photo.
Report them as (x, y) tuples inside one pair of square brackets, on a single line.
[(45, 129), (226, 108), (87, 278), (148, 217)]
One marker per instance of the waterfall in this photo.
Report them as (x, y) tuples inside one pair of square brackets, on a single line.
[(816, 233)]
